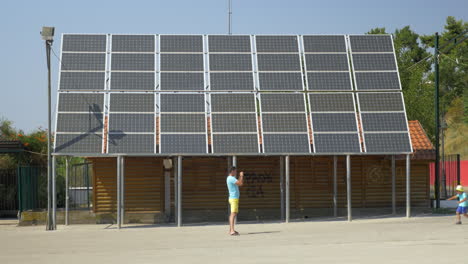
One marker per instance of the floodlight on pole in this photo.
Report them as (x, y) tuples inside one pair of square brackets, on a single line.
[(47, 34)]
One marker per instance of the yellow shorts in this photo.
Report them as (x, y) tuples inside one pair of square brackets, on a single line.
[(234, 204)]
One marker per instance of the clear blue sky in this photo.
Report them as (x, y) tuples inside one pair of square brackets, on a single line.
[(23, 94)]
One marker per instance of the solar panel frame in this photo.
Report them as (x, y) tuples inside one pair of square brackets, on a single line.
[(402, 110), (81, 49), (395, 70), (348, 110), (281, 134), (183, 134), (324, 51), (220, 108), (94, 143), (264, 58)]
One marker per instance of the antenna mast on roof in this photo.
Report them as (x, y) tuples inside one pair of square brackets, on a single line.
[(230, 17)]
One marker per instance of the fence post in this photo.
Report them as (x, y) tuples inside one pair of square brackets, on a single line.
[(458, 170)]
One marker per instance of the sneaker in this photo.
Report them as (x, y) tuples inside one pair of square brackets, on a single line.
[(458, 223)]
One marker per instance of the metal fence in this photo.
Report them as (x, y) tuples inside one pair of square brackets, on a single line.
[(80, 190), (32, 188), (8, 192), (449, 173)]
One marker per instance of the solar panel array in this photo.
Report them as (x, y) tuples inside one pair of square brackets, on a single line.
[(229, 94)]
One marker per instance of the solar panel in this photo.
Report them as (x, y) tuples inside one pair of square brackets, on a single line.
[(131, 143), (377, 81), (280, 81), (126, 102), (131, 123), (230, 62), (329, 81), (80, 122), (181, 43), (217, 76), (78, 143), (384, 122), (82, 80), (374, 62), (226, 122), (371, 43), (324, 43), (181, 62), (387, 142), (286, 143), (369, 102), (84, 43), (284, 122), (183, 143), (229, 43), (132, 62), (327, 62), (279, 62), (331, 102), (282, 102), (81, 102), (337, 143), (133, 43), (231, 81), (234, 123), (275, 44), (132, 81), (233, 102), (334, 122), (182, 103), (235, 143), (83, 62), (180, 81), (183, 123)]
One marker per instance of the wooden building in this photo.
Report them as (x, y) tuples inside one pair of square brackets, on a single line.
[(149, 185)]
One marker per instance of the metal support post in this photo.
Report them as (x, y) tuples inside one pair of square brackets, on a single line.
[(54, 193), (393, 186), (67, 197), (335, 186), (122, 191), (287, 188), (408, 187), (282, 187), (179, 191), (437, 120), (234, 161), (348, 186), (119, 190)]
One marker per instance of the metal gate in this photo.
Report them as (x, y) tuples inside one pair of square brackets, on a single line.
[(80, 190)]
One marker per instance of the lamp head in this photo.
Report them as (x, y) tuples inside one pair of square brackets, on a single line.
[(47, 33)]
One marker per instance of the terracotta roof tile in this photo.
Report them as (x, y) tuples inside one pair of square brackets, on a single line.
[(419, 138)]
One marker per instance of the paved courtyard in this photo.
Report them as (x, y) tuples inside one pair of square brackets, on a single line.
[(424, 239)]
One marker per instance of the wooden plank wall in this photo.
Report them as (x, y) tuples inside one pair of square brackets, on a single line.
[(312, 182), (144, 184), (204, 183)]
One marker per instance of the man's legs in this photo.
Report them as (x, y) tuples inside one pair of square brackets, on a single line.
[(232, 218)]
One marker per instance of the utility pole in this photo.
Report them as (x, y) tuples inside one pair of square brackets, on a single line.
[(437, 121), (47, 34)]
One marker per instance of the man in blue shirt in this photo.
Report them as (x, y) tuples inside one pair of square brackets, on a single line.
[(233, 186), (462, 203)]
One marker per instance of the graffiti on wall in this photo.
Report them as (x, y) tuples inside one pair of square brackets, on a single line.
[(255, 183)]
